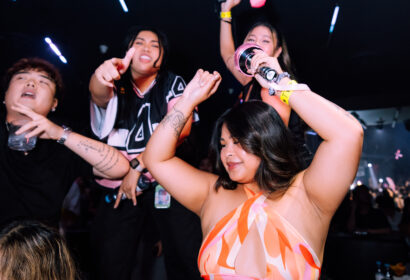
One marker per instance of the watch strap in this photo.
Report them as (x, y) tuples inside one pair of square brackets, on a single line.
[(281, 76), (136, 165), (66, 132)]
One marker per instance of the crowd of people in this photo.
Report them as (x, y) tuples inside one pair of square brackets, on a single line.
[(259, 207)]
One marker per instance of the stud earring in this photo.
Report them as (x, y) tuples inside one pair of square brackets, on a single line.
[(53, 109), (4, 102)]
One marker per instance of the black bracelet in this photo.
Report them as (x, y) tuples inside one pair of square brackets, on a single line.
[(227, 21)]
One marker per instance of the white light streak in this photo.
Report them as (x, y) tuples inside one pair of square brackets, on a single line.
[(334, 18), (55, 49), (124, 6)]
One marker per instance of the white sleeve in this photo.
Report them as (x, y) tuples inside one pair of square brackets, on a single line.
[(103, 119)]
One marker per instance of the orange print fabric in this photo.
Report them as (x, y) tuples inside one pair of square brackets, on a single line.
[(287, 254)]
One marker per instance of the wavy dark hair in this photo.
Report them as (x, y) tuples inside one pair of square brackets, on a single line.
[(284, 58), (38, 64), (126, 106), (162, 41), (261, 132), (30, 250)]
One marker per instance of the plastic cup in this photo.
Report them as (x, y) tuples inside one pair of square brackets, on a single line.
[(20, 142)]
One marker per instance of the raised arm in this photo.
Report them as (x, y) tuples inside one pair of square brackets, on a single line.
[(106, 161), (130, 180), (185, 183), (335, 163), (226, 42), (102, 81)]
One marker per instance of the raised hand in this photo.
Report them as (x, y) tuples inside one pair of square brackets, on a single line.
[(39, 125), (113, 68), (262, 59), (202, 86), (229, 4)]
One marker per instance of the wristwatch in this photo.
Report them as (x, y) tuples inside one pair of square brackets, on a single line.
[(135, 164), (281, 76), (66, 132)]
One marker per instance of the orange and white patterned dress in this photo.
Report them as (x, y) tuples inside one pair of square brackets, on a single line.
[(287, 254)]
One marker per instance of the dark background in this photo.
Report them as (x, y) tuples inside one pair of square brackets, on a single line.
[(363, 65)]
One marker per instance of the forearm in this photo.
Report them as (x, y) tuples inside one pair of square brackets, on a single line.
[(100, 93), (170, 128), (107, 160), (226, 41), (326, 118)]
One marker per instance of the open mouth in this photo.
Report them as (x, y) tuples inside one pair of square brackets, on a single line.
[(28, 95), (145, 58)]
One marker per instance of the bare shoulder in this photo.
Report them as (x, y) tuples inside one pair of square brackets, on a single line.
[(218, 204)]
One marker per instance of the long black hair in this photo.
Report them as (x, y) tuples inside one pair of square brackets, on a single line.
[(261, 132), (126, 105), (284, 58)]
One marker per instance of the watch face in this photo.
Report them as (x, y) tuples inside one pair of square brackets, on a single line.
[(134, 163), (271, 75)]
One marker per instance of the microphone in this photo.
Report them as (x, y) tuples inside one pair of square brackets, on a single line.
[(243, 57), (143, 184)]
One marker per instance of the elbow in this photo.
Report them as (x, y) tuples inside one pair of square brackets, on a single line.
[(146, 160), (124, 168), (354, 134), (121, 169)]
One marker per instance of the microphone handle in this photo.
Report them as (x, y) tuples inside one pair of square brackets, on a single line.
[(267, 73)]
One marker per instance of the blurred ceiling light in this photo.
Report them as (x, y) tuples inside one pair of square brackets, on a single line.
[(103, 48), (124, 6), (55, 49), (334, 18)]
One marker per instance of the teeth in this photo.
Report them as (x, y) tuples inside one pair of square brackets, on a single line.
[(145, 57), (27, 94)]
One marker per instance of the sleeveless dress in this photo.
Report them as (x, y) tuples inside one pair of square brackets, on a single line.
[(287, 254)]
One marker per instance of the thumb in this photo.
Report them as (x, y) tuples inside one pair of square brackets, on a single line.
[(126, 61)]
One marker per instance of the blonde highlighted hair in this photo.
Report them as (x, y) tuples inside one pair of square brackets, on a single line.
[(32, 251)]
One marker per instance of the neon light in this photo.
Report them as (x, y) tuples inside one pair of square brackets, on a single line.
[(124, 6), (334, 18), (55, 49), (62, 58)]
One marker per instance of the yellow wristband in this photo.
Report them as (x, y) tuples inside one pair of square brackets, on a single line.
[(285, 95), (226, 15)]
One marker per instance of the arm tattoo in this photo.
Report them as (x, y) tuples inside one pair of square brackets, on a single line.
[(105, 156), (86, 145), (109, 157), (175, 120), (111, 164)]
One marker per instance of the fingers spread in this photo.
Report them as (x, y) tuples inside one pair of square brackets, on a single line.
[(118, 200)]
